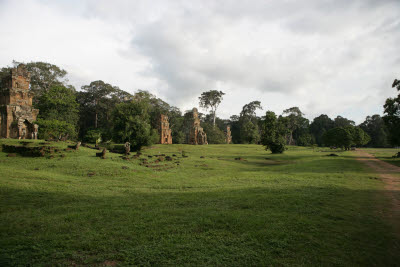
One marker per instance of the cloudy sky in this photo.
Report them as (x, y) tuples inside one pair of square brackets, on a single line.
[(337, 57)]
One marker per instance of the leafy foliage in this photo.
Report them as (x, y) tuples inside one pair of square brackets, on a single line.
[(55, 129), (273, 137), (345, 137), (211, 100), (214, 134), (375, 127), (295, 123), (93, 136), (59, 103), (340, 121), (248, 123), (319, 126), (132, 124), (96, 103), (392, 116)]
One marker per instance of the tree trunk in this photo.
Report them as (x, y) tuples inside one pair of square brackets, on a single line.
[(214, 119), (95, 122)]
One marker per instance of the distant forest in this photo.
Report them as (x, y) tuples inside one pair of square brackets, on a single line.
[(101, 112)]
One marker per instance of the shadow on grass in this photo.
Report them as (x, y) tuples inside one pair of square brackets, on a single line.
[(317, 165), (254, 226)]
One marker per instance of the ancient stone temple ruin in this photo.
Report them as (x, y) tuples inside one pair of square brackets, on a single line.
[(17, 115), (196, 136), (164, 130), (228, 135)]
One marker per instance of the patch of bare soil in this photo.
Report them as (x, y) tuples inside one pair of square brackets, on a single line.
[(390, 175)]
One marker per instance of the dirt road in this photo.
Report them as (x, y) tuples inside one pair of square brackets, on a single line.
[(390, 175)]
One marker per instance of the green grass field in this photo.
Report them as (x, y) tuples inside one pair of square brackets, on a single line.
[(298, 208)]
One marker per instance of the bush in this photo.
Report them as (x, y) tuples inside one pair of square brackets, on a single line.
[(214, 134), (92, 136), (55, 129), (277, 147), (131, 124), (119, 148)]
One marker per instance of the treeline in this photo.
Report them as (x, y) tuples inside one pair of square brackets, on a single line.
[(101, 112)]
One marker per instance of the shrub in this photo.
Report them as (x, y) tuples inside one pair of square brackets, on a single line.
[(55, 129), (92, 136)]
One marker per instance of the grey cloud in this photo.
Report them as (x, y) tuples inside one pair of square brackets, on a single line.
[(296, 52)]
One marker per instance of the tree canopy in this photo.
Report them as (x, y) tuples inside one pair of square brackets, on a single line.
[(392, 115), (211, 100), (273, 134)]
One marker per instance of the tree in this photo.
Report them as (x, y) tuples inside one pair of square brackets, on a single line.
[(392, 116), (235, 129), (375, 127), (338, 137), (295, 122), (59, 103), (97, 101), (359, 137), (305, 139), (346, 137), (55, 129), (273, 134), (58, 108), (132, 124), (340, 121), (211, 100), (214, 134), (248, 121), (319, 126)]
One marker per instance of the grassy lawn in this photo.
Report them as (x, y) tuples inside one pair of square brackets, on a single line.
[(298, 208), (385, 154)]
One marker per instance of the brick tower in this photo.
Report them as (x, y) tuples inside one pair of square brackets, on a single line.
[(164, 130), (17, 115)]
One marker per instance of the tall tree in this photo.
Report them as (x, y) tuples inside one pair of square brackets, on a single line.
[(319, 126), (273, 134), (345, 137), (294, 121), (248, 121), (235, 129), (97, 101), (340, 121), (392, 116), (211, 100), (132, 124), (59, 103), (338, 137), (58, 116), (375, 127)]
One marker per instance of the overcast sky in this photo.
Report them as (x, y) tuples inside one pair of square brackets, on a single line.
[(335, 57)]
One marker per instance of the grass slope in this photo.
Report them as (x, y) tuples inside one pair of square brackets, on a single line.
[(299, 208)]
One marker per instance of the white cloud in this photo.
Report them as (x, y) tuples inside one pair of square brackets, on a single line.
[(333, 57)]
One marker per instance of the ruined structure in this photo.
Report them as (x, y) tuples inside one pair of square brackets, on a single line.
[(17, 115), (164, 130), (228, 136), (127, 147), (196, 135)]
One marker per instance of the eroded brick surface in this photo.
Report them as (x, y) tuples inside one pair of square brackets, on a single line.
[(17, 115), (164, 130), (197, 136)]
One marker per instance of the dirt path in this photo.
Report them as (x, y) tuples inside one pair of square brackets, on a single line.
[(390, 175)]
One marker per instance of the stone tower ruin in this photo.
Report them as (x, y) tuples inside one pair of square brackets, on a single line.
[(196, 136), (17, 115), (228, 135), (164, 130)]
